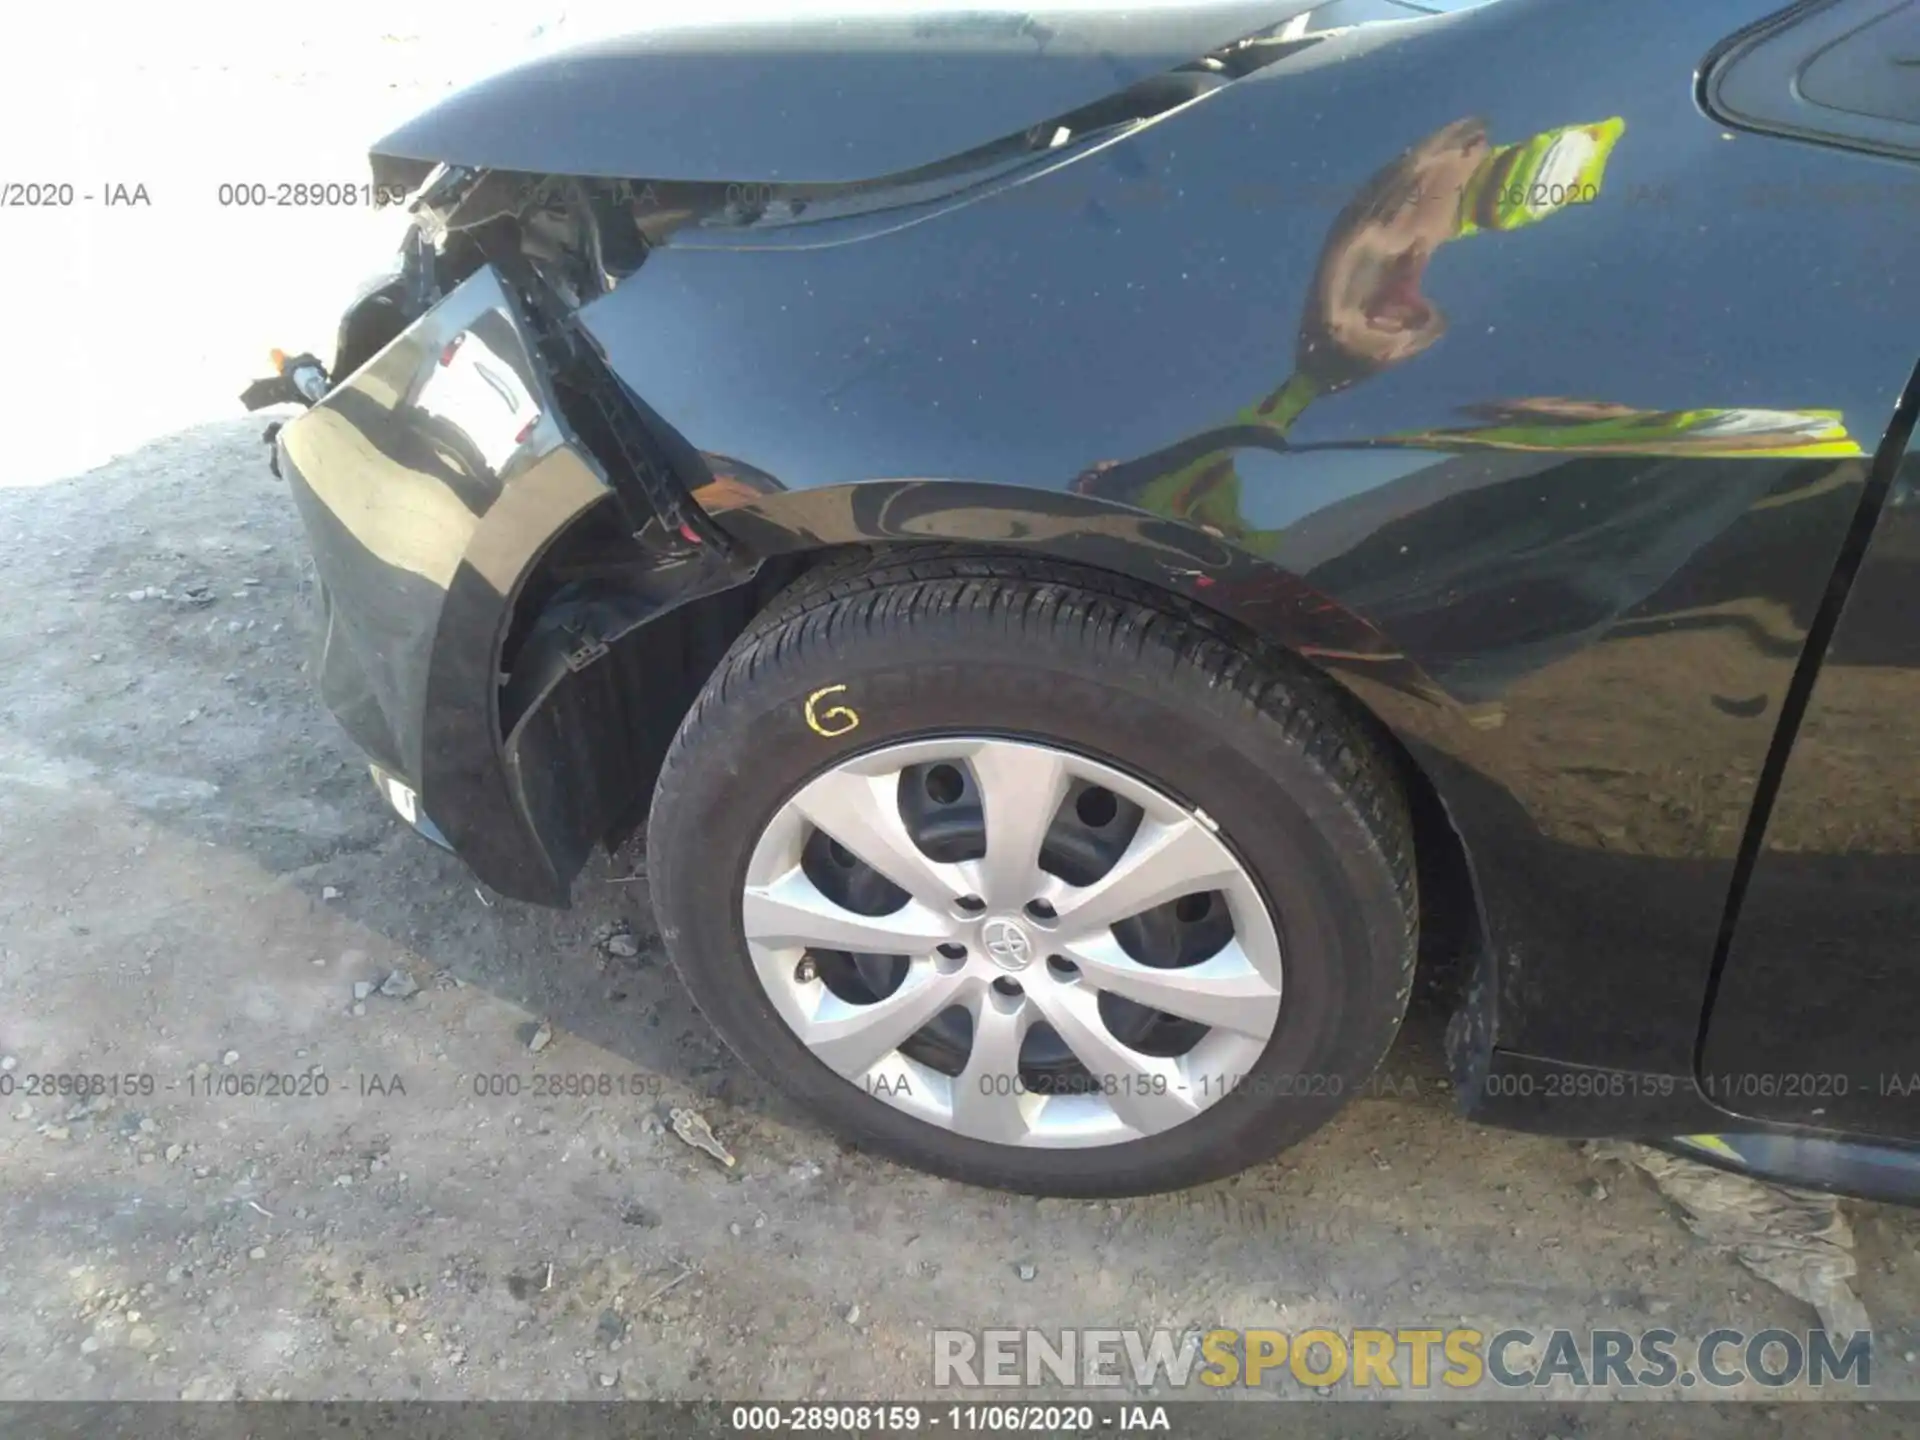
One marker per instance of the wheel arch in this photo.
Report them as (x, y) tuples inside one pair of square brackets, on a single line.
[(630, 701)]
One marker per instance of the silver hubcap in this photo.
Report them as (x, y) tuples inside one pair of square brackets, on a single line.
[(958, 977)]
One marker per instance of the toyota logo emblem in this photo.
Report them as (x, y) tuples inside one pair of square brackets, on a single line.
[(1007, 944)]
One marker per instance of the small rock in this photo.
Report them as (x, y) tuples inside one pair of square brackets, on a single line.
[(399, 986), (55, 1132), (329, 892), (623, 946), (542, 1037), (734, 1230), (362, 989), (360, 1008), (174, 1152), (258, 1252), (609, 1379), (232, 1057), (142, 1337), (136, 595), (691, 1126), (147, 1127), (8, 1062), (853, 1314), (1026, 1270), (96, 658), (1596, 1191), (89, 1345)]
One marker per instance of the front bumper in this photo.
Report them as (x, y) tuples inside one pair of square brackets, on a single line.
[(405, 801), (430, 482)]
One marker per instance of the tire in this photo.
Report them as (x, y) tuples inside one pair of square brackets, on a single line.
[(1267, 753)]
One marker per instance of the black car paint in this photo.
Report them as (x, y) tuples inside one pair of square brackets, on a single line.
[(1821, 989), (1586, 648)]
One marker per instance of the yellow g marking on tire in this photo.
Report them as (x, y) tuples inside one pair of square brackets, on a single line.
[(835, 720)]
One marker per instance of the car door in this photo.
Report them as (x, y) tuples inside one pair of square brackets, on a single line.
[(1814, 1017), (1813, 1014)]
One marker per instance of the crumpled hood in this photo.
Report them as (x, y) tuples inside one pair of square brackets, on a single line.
[(818, 101)]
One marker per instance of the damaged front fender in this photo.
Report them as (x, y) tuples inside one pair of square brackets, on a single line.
[(431, 480)]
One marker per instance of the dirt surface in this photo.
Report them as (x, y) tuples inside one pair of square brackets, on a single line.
[(196, 876)]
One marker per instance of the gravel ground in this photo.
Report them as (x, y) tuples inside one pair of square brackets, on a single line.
[(198, 884)]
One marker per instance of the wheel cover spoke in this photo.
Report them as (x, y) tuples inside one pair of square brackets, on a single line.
[(1021, 787), (989, 1102), (862, 812), (1011, 966), (854, 1038), (793, 912), (1225, 991), (1147, 1092), (1164, 862)]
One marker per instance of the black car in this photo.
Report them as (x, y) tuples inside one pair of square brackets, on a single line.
[(1096, 545)]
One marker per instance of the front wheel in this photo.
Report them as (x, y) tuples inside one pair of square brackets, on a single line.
[(1021, 875)]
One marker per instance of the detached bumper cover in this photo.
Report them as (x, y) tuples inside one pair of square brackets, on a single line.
[(430, 481)]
